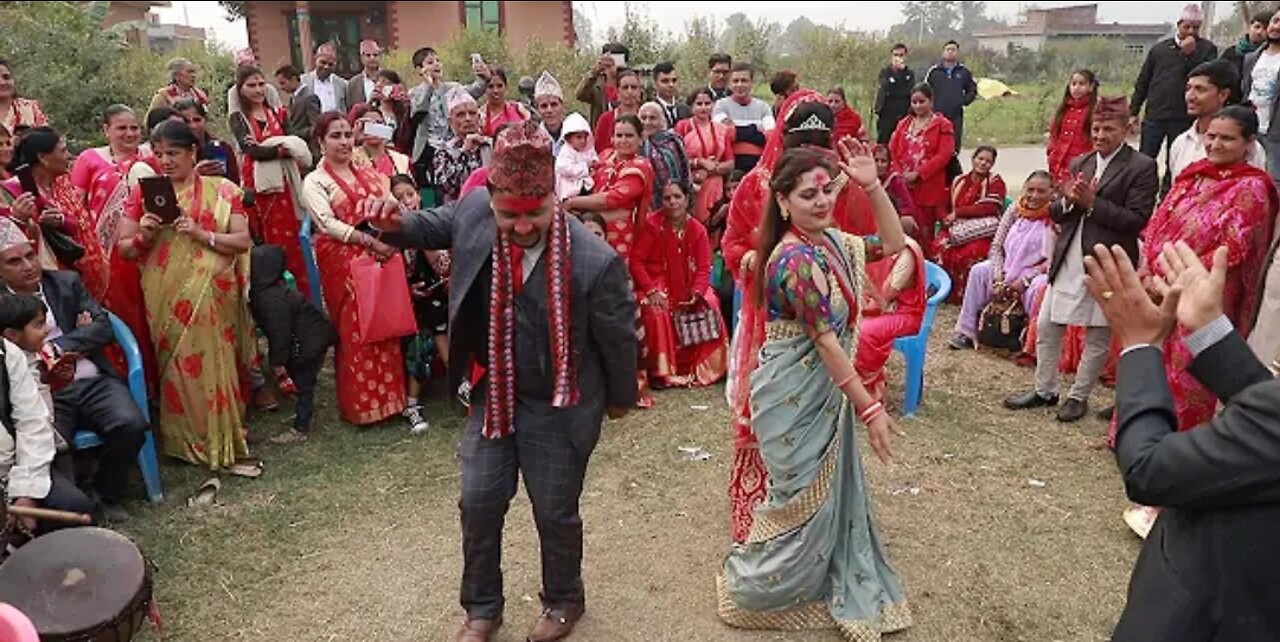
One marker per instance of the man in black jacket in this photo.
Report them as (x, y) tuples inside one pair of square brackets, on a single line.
[(953, 88), (1162, 84), (98, 399), (1207, 572), (893, 97)]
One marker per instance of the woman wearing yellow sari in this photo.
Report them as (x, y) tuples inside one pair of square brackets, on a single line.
[(194, 278)]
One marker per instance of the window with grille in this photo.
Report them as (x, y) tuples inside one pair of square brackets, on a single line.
[(486, 14)]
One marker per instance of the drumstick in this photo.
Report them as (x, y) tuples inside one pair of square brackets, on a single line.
[(51, 515)]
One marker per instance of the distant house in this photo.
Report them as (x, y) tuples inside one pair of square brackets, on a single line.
[(165, 38), (1041, 27), (288, 32)]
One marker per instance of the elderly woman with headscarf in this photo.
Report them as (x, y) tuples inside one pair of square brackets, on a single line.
[(664, 149), (806, 121), (182, 85)]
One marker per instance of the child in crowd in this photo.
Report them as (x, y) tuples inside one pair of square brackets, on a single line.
[(23, 323), (428, 274), (594, 222), (576, 158), (298, 335)]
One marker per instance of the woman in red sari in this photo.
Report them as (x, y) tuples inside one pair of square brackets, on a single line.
[(1219, 201), (921, 148), (709, 146), (671, 267), (497, 110), (893, 307), (105, 176), (258, 129), (853, 214), (977, 203), (848, 120), (1069, 133), (623, 184), (57, 203), (371, 382)]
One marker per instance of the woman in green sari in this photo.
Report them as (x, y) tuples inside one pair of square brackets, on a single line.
[(194, 278), (813, 559)]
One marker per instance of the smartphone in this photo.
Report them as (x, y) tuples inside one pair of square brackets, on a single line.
[(476, 59), (217, 153), (619, 60), (159, 198), (379, 130)]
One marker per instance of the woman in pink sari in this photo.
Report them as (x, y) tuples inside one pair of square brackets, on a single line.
[(893, 307), (105, 176), (1219, 201), (710, 149)]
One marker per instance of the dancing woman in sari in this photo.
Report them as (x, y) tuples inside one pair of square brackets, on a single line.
[(671, 268), (259, 131), (105, 176), (893, 306), (195, 277), (371, 382), (805, 121), (813, 559), (1219, 201)]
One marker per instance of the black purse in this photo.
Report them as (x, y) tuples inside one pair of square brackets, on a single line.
[(1003, 324), (64, 248)]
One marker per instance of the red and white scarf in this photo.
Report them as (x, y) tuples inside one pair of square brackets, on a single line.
[(500, 402)]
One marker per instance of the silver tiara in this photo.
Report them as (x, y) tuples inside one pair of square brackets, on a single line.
[(811, 124)]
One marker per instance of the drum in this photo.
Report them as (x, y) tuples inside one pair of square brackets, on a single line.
[(79, 585)]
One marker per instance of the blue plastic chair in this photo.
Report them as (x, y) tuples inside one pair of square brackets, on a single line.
[(148, 462), (309, 256), (915, 348)]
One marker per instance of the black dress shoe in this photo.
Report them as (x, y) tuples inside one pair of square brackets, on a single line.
[(1072, 411), (1030, 401), (960, 342), (1107, 413)]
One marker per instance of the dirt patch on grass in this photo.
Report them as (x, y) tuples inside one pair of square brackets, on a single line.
[(1004, 527)]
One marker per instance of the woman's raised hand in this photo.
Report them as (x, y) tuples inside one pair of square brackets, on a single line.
[(857, 161)]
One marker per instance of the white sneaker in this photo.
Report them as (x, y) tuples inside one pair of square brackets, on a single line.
[(418, 425)]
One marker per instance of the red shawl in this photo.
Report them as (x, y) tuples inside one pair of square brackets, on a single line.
[(848, 123), (974, 197)]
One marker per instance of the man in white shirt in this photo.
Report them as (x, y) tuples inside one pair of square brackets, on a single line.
[(27, 447), (1261, 77), (1209, 89), (329, 87)]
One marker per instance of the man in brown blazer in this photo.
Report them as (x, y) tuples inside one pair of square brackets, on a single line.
[(1108, 200), (360, 86)]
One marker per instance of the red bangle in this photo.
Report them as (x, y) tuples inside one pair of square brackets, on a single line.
[(869, 413), (844, 382)]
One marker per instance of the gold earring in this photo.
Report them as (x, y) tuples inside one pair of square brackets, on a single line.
[(786, 214)]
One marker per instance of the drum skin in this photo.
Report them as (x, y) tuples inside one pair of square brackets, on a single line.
[(79, 585)]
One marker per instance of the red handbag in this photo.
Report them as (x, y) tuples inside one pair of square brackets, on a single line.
[(384, 308)]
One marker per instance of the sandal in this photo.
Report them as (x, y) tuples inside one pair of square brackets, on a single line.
[(248, 468), (206, 495)]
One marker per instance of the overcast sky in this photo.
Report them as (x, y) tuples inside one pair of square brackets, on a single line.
[(673, 15)]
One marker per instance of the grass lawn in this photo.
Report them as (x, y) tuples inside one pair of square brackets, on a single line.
[(1022, 119), (354, 536)]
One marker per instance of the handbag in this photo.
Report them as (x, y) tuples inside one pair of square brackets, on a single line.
[(1003, 324), (695, 324), (967, 230), (384, 307), (64, 248)]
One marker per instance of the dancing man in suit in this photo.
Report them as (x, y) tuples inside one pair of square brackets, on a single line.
[(1109, 199), (542, 324), (1207, 571)]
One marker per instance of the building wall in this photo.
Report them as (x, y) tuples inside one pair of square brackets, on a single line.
[(409, 25), (1001, 43), (526, 21)]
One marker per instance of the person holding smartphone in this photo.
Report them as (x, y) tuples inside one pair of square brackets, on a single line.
[(217, 158), (45, 201), (190, 235), (373, 139)]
